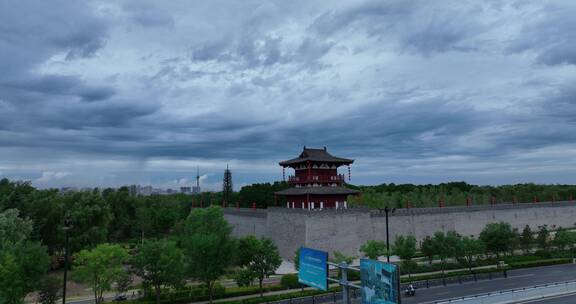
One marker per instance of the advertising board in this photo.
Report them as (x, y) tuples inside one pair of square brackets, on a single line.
[(313, 268), (380, 282)]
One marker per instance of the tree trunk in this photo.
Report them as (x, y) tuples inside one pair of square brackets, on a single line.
[(260, 284), (210, 285), (157, 288)]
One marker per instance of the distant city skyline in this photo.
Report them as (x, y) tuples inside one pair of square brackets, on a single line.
[(111, 93)]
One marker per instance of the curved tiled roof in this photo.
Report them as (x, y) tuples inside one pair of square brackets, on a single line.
[(316, 155)]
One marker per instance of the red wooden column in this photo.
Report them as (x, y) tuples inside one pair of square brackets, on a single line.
[(468, 201), (237, 205), (254, 206), (441, 203), (535, 199), (514, 200)]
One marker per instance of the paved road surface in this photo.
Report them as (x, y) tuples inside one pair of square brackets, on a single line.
[(516, 279), (566, 299)]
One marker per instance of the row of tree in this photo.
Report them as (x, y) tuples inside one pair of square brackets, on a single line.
[(496, 239), (111, 215), (458, 194), (204, 250)]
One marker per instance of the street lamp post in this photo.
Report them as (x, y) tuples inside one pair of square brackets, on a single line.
[(387, 210), (67, 226)]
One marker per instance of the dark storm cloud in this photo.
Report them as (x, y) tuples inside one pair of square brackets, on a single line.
[(549, 36), (397, 84)]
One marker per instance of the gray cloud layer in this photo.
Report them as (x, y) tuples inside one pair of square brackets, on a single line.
[(110, 93)]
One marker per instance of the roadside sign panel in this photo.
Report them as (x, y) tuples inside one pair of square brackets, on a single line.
[(380, 282), (313, 269)]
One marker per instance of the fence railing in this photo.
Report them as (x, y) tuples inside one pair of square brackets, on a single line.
[(355, 294), (518, 294)]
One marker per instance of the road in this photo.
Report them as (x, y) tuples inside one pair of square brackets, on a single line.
[(516, 279), (565, 299)]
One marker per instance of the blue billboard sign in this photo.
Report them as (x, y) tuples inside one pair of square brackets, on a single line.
[(380, 282), (313, 268)]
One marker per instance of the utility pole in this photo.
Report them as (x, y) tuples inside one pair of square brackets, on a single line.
[(387, 210), (67, 226)]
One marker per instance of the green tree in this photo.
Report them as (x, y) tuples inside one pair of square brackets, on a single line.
[(90, 215), (50, 290), (468, 249), (498, 237), (373, 249), (209, 247), (543, 237), (23, 263), (526, 239), (405, 249), (260, 257), (564, 239), (297, 259), (22, 267), (13, 229), (338, 257), (160, 263), (427, 248), (100, 267)]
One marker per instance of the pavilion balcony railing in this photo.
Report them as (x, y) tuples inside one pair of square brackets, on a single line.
[(316, 179)]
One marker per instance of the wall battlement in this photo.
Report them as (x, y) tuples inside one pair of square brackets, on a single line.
[(346, 230)]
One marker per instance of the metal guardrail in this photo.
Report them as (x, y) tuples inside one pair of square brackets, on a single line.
[(355, 294), (518, 294)]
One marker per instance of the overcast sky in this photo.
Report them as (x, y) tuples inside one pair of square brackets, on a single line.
[(107, 93)]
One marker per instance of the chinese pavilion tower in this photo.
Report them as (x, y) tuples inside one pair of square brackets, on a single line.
[(316, 182)]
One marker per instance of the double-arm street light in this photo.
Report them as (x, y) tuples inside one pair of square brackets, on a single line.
[(67, 226)]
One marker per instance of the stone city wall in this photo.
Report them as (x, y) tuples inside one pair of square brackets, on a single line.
[(346, 230)]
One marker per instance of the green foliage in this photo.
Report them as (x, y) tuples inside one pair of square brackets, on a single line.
[(208, 245), (540, 263), (526, 239), (22, 267), (261, 194), (565, 239), (297, 259), (244, 277), (290, 281), (373, 249), (259, 256), (50, 290), (543, 237), (427, 248), (498, 237), (23, 263), (468, 248), (338, 257), (90, 215), (100, 267), (455, 194), (405, 249), (13, 229), (160, 263)]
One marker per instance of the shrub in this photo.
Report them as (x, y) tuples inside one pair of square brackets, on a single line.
[(290, 281), (244, 278), (543, 254)]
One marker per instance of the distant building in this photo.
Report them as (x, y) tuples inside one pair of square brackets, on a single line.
[(316, 182), (196, 189), (146, 190), (186, 190)]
